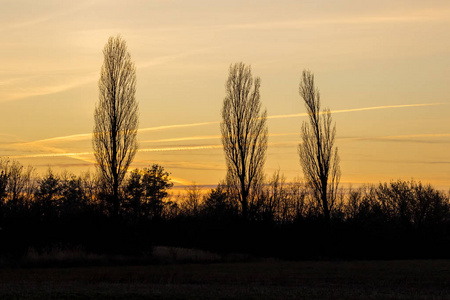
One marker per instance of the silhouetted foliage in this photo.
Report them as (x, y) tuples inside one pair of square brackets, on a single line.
[(244, 135), (47, 196), (191, 202), (146, 191), (4, 176), (116, 118), (318, 156), (73, 199), (412, 205), (284, 203), (219, 204), (400, 219)]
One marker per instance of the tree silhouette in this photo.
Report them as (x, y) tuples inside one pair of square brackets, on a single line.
[(192, 201), (244, 134), (218, 204), (48, 194), (16, 182), (116, 117), (4, 178), (318, 156), (146, 190)]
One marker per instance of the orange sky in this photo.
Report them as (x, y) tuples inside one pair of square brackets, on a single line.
[(383, 68)]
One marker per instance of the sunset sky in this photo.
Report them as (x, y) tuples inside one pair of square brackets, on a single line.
[(383, 68)]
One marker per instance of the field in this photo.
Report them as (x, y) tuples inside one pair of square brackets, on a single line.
[(269, 279)]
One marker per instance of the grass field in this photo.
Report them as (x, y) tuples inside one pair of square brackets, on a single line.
[(253, 280)]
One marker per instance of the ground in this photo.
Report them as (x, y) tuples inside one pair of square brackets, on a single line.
[(268, 279)]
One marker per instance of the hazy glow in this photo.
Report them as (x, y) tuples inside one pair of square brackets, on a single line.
[(381, 67)]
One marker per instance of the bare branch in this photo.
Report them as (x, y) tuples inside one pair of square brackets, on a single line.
[(244, 134), (318, 157), (116, 116)]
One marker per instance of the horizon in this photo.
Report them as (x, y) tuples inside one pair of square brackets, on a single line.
[(381, 69)]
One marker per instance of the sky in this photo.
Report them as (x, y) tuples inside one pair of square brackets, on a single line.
[(382, 67)]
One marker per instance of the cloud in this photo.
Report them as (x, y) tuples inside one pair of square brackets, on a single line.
[(412, 17), (29, 22), (189, 138), (177, 126), (43, 155), (356, 109), (41, 145), (49, 89), (388, 161), (182, 165), (407, 136), (181, 181), (79, 155), (28, 85), (73, 137), (410, 138), (181, 148)]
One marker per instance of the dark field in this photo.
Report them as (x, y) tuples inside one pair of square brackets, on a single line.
[(420, 279)]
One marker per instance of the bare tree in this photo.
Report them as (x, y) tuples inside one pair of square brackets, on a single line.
[(116, 117), (16, 181), (244, 134), (192, 201), (318, 156), (4, 178)]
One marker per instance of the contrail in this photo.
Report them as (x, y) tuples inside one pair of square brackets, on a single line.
[(84, 136), (81, 136), (207, 147), (76, 154), (53, 155), (397, 137), (175, 126), (182, 139), (355, 109), (181, 148), (406, 136), (180, 181)]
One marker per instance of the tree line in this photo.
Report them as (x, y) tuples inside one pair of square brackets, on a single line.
[(146, 195), (75, 210), (118, 210)]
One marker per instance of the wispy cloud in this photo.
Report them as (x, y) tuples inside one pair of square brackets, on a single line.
[(356, 109), (73, 137), (47, 89), (182, 139), (20, 87), (181, 181), (45, 151), (63, 154), (80, 154), (170, 164), (427, 138), (426, 135), (406, 161), (182, 148), (68, 10), (176, 126), (412, 17), (88, 158), (86, 136)]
